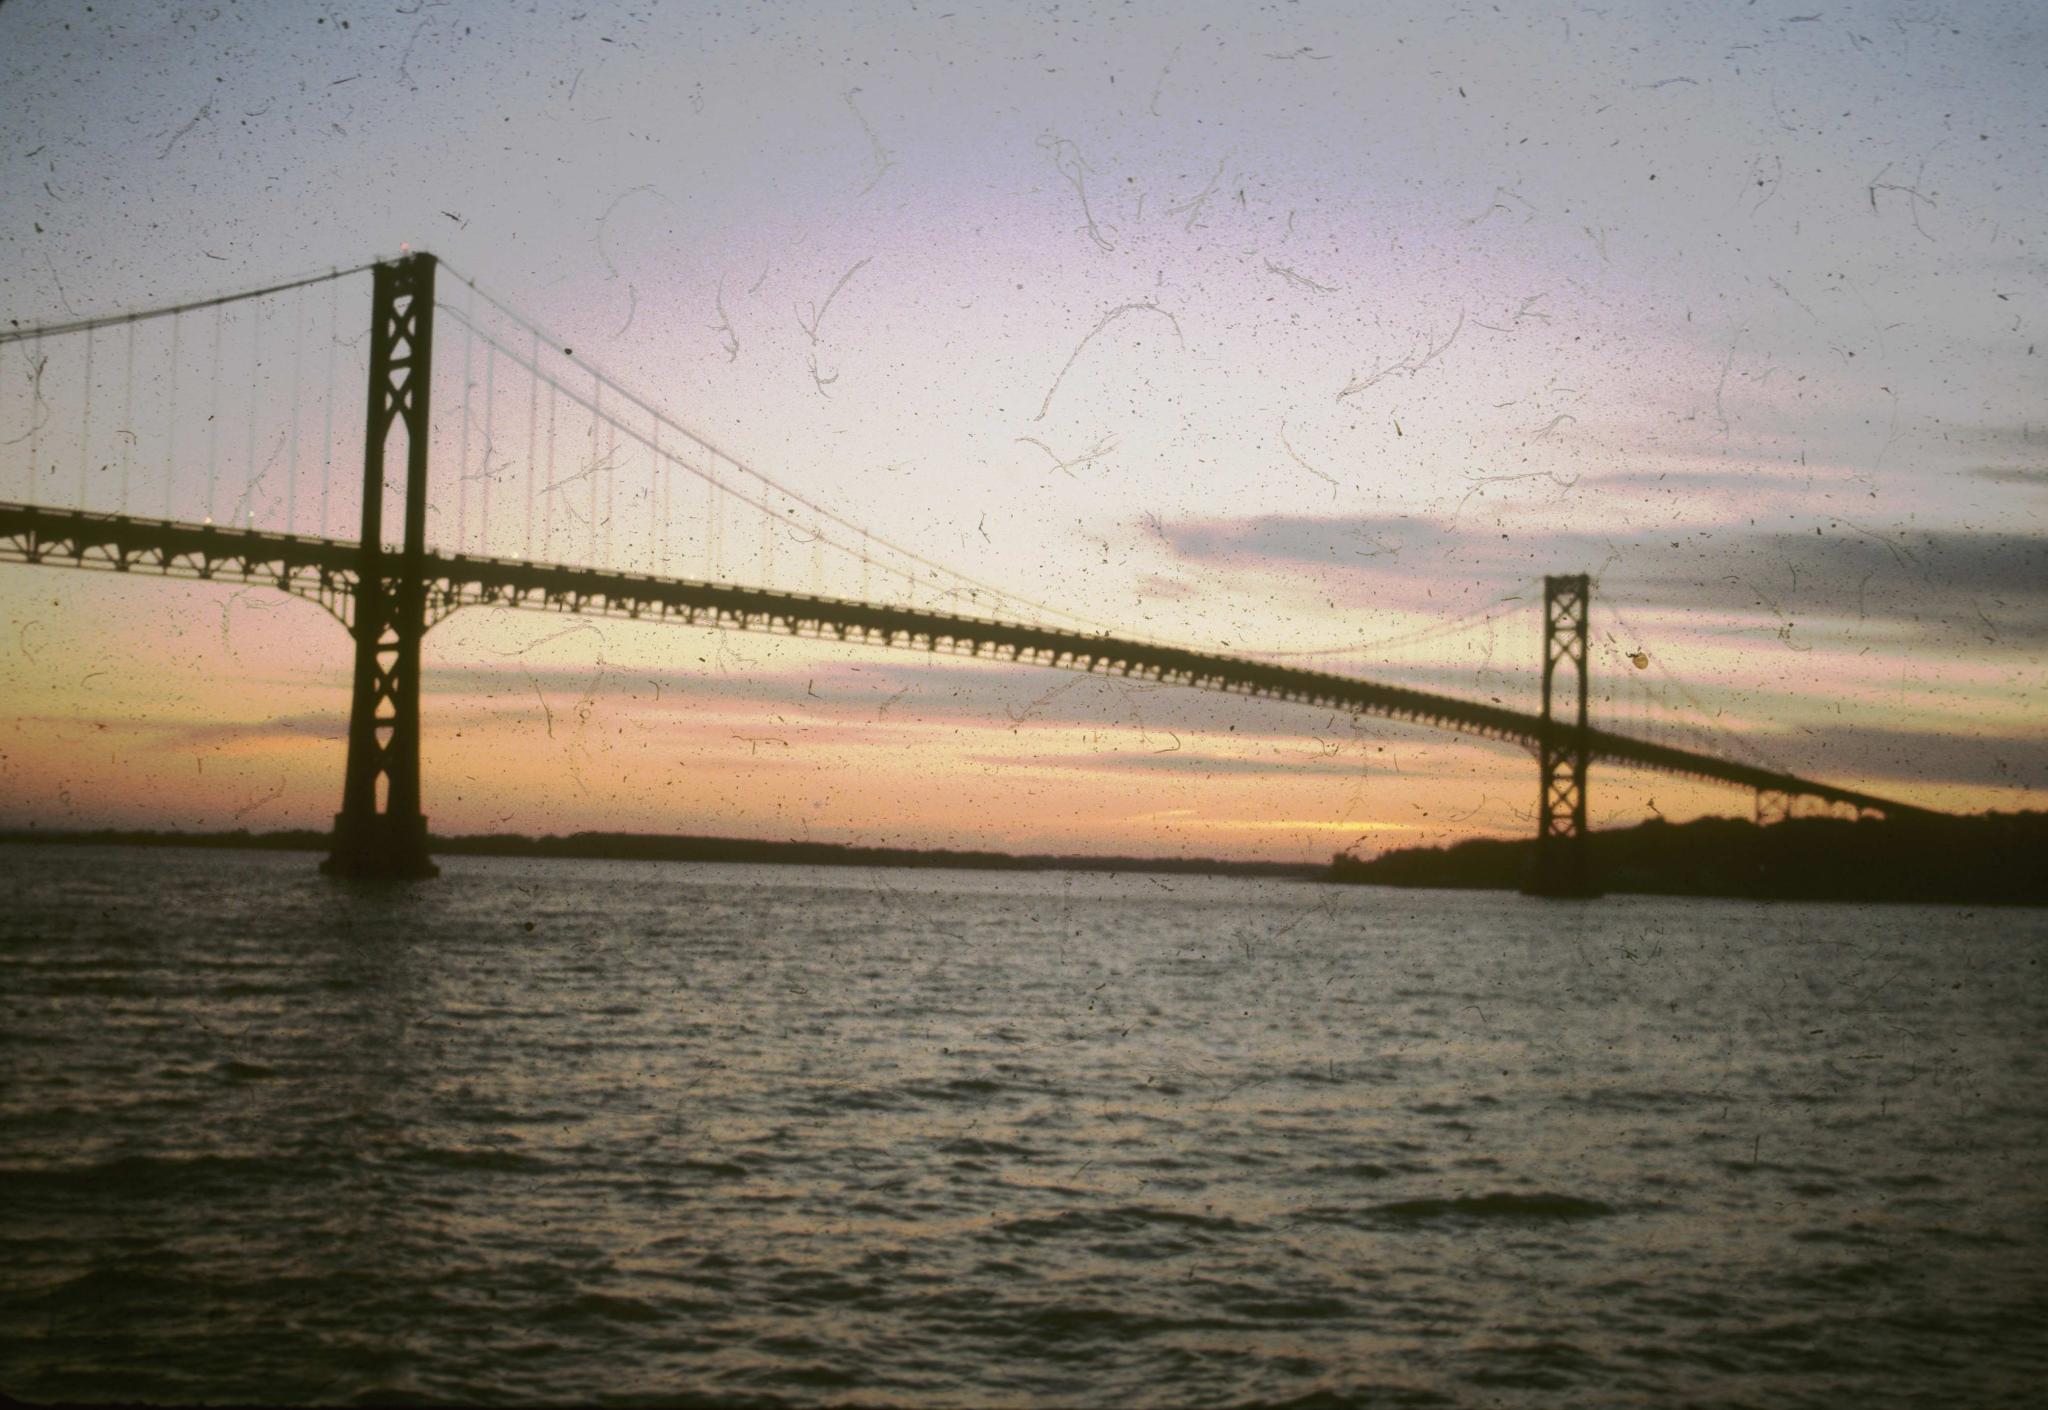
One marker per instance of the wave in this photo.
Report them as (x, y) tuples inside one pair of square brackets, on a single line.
[(245, 1071), (149, 1174), (597, 1306), (1917, 1180), (1548, 1365), (1379, 1397), (1121, 1221), (122, 1286), (1352, 1170), (1540, 1207), (724, 1169), (957, 1089), (970, 1146), (472, 1158)]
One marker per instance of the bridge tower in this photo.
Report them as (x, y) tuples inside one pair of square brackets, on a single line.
[(380, 830), (1561, 867)]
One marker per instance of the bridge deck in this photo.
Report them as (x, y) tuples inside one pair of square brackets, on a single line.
[(326, 571)]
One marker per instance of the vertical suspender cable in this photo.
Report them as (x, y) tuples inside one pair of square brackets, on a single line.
[(85, 424), (611, 466), (327, 402), (171, 423), (532, 429), (291, 473), (547, 510), (249, 449), (711, 517), (483, 532), (657, 537), (213, 415), (590, 470), (462, 465), (127, 417), (35, 406)]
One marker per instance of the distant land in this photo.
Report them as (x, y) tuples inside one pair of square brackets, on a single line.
[(1983, 859), (653, 847)]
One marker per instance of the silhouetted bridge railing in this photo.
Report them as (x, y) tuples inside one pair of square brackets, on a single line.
[(327, 571)]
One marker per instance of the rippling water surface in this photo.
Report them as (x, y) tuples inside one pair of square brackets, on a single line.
[(565, 1130)]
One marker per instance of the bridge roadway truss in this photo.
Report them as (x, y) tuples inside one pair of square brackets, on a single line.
[(327, 571)]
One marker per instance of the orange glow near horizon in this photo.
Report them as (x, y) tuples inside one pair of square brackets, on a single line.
[(229, 710)]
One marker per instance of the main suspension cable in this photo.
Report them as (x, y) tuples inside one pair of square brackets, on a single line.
[(114, 320)]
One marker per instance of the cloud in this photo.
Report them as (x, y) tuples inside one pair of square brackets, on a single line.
[(1985, 586), (1187, 762), (1692, 482), (1343, 540), (1970, 586), (2022, 433), (1917, 756), (2036, 478), (1159, 587), (319, 726)]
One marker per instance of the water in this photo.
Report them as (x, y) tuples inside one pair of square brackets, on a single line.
[(547, 1132)]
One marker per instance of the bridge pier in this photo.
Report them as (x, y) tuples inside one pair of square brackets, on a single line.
[(380, 831), (1562, 867)]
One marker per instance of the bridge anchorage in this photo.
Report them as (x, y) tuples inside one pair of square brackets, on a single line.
[(388, 597)]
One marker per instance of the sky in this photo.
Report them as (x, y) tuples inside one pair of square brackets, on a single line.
[(1291, 328)]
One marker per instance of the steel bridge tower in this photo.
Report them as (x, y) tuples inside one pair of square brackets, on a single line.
[(1561, 867), (380, 830)]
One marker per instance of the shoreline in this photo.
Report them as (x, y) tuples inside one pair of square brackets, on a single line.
[(656, 847), (1981, 860)]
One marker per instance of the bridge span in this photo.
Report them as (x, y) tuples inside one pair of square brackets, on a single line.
[(388, 597), (329, 571)]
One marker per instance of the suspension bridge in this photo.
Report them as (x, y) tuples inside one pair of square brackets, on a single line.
[(566, 500)]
